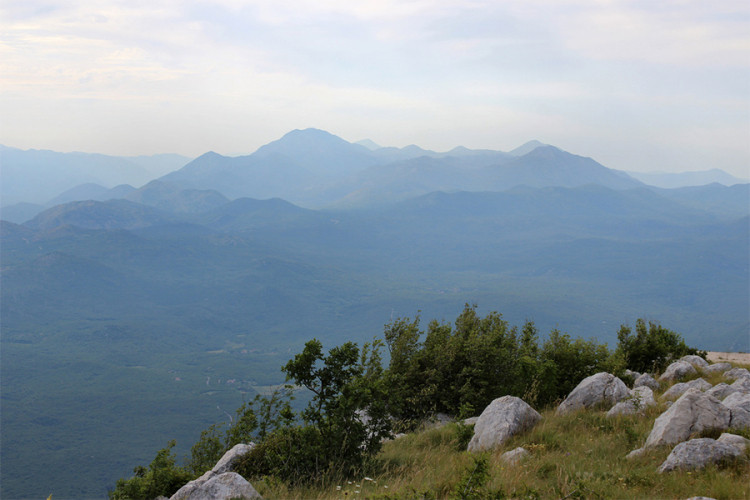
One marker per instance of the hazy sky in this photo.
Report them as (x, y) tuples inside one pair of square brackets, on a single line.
[(638, 85)]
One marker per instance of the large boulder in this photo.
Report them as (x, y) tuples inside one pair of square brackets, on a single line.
[(677, 371), (697, 362), (224, 466), (694, 411), (503, 418), (738, 404), (697, 453), (679, 388), (646, 380), (602, 388), (641, 398), (225, 486)]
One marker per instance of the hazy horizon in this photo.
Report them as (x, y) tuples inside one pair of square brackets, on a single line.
[(637, 86)]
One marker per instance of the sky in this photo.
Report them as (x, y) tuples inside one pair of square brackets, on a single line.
[(637, 85)]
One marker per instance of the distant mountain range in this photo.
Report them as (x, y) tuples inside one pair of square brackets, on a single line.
[(311, 168), (171, 301)]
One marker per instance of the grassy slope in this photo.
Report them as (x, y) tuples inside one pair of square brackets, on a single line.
[(581, 455)]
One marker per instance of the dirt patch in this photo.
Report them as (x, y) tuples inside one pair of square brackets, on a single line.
[(729, 357)]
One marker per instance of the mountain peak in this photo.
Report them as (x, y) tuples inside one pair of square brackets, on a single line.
[(527, 147)]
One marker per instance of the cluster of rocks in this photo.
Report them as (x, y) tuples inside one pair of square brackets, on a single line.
[(691, 407)]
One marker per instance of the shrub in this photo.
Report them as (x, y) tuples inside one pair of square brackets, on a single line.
[(161, 478), (652, 347)]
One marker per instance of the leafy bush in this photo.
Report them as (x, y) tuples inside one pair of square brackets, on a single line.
[(652, 348), (162, 477), (342, 426)]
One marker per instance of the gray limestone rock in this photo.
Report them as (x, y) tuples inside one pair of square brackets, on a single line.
[(738, 404), (514, 456), (717, 368), (697, 362), (224, 466), (679, 388), (602, 388), (694, 411), (738, 442), (641, 398), (737, 373), (503, 418), (676, 371), (225, 486), (697, 453), (646, 380), (720, 391)]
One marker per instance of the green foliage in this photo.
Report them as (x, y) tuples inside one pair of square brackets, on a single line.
[(342, 426), (563, 362), (473, 483), (207, 451), (480, 359), (162, 477), (652, 347)]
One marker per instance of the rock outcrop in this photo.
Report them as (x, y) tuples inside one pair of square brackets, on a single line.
[(697, 362), (646, 380), (641, 398), (736, 374), (503, 418), (697, 453), (677, 371), (738, 404), (738, 442), (600, 389), (220, 483), (225, 486), (679, 388), (717, 368), (694, 411)]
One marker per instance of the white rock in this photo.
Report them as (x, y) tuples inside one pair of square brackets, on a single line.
[(677, 371), (694, 360), (738, 442), (227, 462), (736, 373), (636, 453), (512, 457), (602, 388), (631, 373), (741, 385), (226, 486), (641, 398), (692, 412), (503, 418), (697, 453), (679, 388), (720, 391), (646, 380), (225, 465), (717, 368), (738, 404)]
